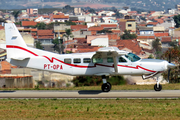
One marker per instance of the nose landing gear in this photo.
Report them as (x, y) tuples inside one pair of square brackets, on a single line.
[(158, 86)]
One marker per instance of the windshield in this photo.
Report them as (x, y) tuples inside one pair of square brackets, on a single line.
[(132, 57)]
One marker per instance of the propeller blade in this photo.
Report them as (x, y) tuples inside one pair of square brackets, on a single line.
[(168, 75)]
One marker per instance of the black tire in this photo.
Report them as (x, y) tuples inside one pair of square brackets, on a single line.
[(156, 88), (106, 87)]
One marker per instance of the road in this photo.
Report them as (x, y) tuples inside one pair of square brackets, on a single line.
[(90, 94)]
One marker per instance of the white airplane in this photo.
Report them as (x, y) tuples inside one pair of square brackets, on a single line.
[(104, 62)]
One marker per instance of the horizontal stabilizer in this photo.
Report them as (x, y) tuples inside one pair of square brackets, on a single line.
[(20, 58)]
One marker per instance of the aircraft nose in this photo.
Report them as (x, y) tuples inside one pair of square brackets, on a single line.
[(171, 65)]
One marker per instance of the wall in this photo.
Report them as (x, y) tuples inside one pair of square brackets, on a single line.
[(100, 42)]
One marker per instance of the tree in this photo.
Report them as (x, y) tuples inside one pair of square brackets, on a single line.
[(173, 54), (127, 35), (68, 34), (38, 45), (177, 20), (70, 23), (118, 15), (157, 47), (91, 11), (41, 26), (16, 14), (58, 44), (104, 31), (2, 20)]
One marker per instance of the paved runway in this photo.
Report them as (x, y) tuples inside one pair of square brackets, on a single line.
[(90, 94)]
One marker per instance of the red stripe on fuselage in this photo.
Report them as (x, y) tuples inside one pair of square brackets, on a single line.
[(137, 67), (73, 65)]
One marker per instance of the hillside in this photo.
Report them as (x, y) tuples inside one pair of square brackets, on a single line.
[(138, 4)]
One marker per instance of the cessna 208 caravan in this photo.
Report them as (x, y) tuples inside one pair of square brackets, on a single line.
[(104, 62)]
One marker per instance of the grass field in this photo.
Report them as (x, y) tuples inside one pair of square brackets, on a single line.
[(114, 87), (89, 109)]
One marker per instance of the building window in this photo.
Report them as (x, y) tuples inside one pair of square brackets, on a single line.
[(67, 60), (87, 60), (129, 25), (77, 60)]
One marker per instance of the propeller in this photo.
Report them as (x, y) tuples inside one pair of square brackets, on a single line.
[(169, 70)]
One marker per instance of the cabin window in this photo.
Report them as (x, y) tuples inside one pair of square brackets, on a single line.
[(110, 59), (87, 60), (121, 59), (77, 60), (67, 60), (97, 60), (132, 57)]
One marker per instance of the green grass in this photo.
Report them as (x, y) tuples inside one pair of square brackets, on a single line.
[(89, 109), (114, 87)]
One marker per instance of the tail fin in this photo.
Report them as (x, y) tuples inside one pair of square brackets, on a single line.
[(14, 40)]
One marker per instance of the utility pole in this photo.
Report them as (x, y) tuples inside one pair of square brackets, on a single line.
[(60, 52)]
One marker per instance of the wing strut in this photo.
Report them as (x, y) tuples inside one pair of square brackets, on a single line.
[(115, 63)]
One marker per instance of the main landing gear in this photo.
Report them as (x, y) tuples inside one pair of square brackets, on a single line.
[(106, 86)]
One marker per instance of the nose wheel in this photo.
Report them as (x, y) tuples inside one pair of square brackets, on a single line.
[(157, 87), (106, 87)]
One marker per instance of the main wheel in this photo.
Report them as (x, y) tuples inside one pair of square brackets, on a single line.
[(157, 88), (106, 87)]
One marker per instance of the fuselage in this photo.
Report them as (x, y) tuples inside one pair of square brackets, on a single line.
[(85, 64)]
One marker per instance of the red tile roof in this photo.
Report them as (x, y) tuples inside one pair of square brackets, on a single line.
[(152, 23), (95, 28), (145, 37), (130, 44), (161, 34), (82, 49), (166, 39), (116, 31), (73, 27), (160, 21), (45, 32), (113, 36), (60, 17), (109, 25), (1, 27), (28, 23)]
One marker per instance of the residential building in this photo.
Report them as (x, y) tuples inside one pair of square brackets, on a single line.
[(130, 46), (60, 18), (98, 40), (46, 37), (159, 29), (32, 11), (165, 41), (127, 24), (77, 11), (95, 29), (178, 7), (168, 22), (28, 24), (44, 19), (147, 31)]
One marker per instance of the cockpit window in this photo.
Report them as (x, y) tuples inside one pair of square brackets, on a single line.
[(132, 57)]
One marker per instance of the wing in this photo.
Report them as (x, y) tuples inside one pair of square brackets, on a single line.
[(109, 52)]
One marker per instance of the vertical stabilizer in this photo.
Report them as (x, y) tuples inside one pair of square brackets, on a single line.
[(14, 40), (13, 37)]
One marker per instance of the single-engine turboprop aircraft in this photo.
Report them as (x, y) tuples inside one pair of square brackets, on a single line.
[(104, 62)]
